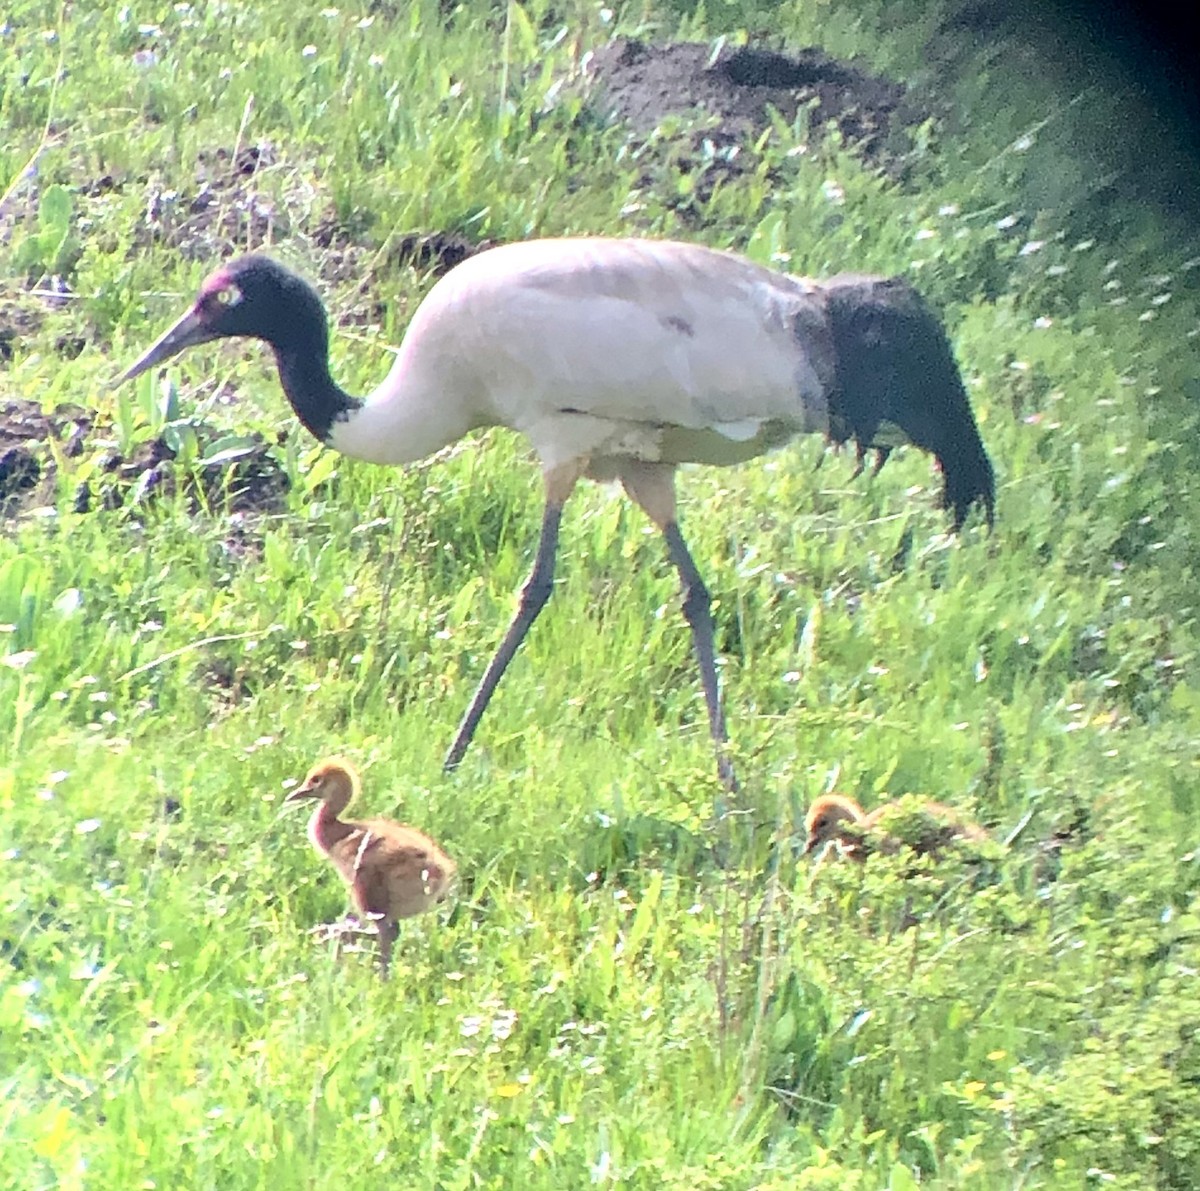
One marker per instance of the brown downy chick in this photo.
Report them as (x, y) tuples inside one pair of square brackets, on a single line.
[(392, 871), (835, 818)]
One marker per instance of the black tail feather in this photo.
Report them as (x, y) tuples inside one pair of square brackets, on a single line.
[(896, 371)]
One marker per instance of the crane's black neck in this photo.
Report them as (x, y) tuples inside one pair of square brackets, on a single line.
[(296, 327), (316, 397)]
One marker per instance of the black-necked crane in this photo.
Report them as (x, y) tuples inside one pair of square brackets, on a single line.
[(619, 359), (392, 871), (836, 819)]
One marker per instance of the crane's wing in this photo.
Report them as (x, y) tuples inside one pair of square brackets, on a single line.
[(675, 352), (392, 869), (636, 332)]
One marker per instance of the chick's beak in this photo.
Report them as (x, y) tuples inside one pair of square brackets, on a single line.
[(185, 333), (811, 843), (308, 790)]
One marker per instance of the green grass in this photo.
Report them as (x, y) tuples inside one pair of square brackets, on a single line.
[(626, 992)]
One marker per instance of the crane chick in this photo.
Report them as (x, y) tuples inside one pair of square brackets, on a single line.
[(618, 359), (836, 819), (392, 871)]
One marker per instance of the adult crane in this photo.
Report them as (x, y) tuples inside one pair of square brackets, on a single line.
[(618, 359)]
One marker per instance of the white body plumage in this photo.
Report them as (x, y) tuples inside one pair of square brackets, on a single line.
[(604, 349)]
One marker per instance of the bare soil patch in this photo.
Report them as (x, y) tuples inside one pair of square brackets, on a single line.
[(230, 210), (724, 101), (254, 482), (732, 92)]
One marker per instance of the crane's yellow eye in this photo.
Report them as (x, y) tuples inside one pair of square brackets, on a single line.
[(229, 295)]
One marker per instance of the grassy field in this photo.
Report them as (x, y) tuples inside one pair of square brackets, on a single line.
[(628, 991)]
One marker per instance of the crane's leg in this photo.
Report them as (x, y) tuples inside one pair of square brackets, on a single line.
[(696, 608), (560, 482), (652, 485)]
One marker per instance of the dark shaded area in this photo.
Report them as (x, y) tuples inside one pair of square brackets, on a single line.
[(1130, 72), (1148, 46), (19, 319), (26, 464), (1155, 44), (436, 251), (19, 470)]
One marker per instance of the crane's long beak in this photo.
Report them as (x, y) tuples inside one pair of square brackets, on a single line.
[(187, 332)]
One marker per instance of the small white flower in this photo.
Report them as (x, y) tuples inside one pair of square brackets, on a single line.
[(503, 1024)]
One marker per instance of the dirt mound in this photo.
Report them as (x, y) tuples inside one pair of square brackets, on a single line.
[(725, 100), (733, 91)]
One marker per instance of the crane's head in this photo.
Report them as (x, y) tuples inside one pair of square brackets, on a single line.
[(831, 818), (333, 779), (897, 381), (251, 296)]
